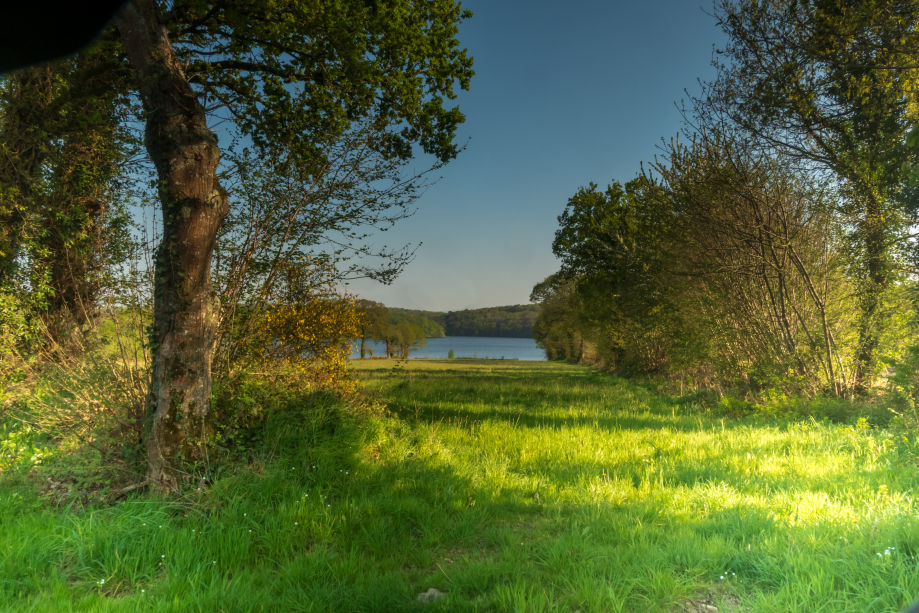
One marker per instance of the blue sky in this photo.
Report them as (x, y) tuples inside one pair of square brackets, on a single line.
[(564, 94)]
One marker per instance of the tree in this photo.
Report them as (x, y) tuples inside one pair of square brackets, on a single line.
[(825, 82), (407, 337), (556, 328), (23, 150), (81, 216), (730, 261), (63, 147), (293, 73), (373, 317), (451, 354)]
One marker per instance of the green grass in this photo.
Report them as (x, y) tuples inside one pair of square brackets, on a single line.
[(510, 486)]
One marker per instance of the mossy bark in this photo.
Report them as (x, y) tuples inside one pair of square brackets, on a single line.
[(183, 332)]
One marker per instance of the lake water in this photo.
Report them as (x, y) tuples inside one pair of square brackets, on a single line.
[(468, 347)]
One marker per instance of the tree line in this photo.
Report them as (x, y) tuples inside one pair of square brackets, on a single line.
[(770, 243), (514, 321)]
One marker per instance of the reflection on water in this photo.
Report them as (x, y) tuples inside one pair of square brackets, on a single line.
[(468, 347)]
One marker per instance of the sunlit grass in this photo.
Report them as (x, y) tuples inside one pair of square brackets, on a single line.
[(509, 486)]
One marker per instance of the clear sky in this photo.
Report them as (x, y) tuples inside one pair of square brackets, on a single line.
[(565, 93)]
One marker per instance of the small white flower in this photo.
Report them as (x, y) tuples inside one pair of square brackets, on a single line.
[(722, 577), (101, 582), (213, 561), (142, 591), (163, 556), (296, 524)]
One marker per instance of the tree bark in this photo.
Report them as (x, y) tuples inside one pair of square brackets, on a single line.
[(870, 294), (185, 316)]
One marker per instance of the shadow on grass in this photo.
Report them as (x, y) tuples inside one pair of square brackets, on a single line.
[(335, 514)]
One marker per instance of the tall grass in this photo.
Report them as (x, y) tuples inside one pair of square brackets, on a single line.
[(508, 486)]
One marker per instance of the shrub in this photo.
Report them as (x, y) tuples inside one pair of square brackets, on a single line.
[(304, 324)]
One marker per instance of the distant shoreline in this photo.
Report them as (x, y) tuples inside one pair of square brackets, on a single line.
[(376, 357)]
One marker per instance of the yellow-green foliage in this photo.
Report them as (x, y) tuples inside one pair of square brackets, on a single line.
[(304, 323)]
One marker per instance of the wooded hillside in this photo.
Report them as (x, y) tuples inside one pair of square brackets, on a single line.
[(513, 321)]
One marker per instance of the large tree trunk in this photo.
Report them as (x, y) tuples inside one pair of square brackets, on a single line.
[(186, 157)]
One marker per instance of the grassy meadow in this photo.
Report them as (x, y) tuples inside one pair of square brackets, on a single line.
[(507, 486)]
